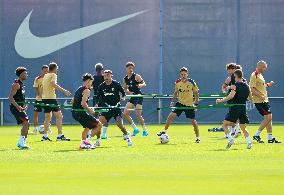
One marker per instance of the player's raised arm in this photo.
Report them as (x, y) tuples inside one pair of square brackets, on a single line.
[(226, 85)]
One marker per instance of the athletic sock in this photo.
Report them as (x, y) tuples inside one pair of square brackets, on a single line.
[(59, 135), (197, 138), (270, 137), (144, 127), (257, 133), (45, 135), (237, 128), (165, 130), (104, 130), (133, 126), (231, 129), (229, 137), (35, 128), (248, 140)]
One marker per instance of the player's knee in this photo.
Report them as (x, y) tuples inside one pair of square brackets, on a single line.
[(269, 117), (26, 124)]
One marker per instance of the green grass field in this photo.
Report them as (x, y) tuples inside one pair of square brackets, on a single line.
[(179, 167)]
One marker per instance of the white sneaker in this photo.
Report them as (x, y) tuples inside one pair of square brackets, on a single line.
[(98, 143), (249, 145), (230, 143)]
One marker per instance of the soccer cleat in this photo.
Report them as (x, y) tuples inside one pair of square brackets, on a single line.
[(22, 146), (98, 143), (87, 145), (249, 145), (104, 136), (230, 143), (197, 141), (258, 139), (45, 139), (161, 133), (237, 134), (144, 134), (135, 132), (273, 140), (129, 143), (62, 138)]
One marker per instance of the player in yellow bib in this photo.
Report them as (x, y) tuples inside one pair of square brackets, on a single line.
[(260, 99), (187, 95)]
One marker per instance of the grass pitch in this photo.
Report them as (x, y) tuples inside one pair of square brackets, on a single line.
[(179, 167)]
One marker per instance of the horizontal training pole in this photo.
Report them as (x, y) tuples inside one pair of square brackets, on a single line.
[(202, 107)]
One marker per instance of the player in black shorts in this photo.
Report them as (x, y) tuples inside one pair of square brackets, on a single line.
[(109, 96), (132, 84), (98, 79), (18, 107), (239, 94), (260, 98), (86, 118), (38, 89)]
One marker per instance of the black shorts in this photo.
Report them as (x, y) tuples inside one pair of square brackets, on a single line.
[(112, 113), (86, 120), (19, 116), (38, 108), (237, 113), (189, 113), (136, 100), (52, 108), (263, 108)]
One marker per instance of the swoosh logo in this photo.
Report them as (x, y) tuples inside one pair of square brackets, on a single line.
[(28, 45)]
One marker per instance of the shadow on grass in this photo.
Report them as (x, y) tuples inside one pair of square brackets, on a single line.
[(159, 144), (222, 150), (79, 150)]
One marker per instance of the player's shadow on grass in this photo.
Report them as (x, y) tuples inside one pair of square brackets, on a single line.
[(78, 150), (222, 150), (218, 138), (158, 144)]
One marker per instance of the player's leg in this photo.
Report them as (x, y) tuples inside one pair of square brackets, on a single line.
[(196, 130), (36, 113), (271, 139), (126, 136), (127, 116), (58, 121), (96, 131), (169, 121), (190, 114), (246, 134), (141, 119), (263, 110), (226, 125), (47, 121)]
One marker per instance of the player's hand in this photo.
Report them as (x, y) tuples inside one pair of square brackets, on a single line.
[(172, 104), (262, 98), (270, 84), (20, 108), (67, 93), (122, 99), (140, 86), (218, 101), (25, 107), (129, 93)]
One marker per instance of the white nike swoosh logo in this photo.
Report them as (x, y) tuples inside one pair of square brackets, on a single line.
[(28, 45)]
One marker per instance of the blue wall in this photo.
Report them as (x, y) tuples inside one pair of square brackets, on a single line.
[(202, 35)]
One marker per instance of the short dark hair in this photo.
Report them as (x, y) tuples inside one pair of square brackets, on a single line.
[(87, 76), (239, 67), (19, 70), (99, 67), (52, 66), (129, 64), (183, 69), (43, 67), (231, 66), (239, 73)]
